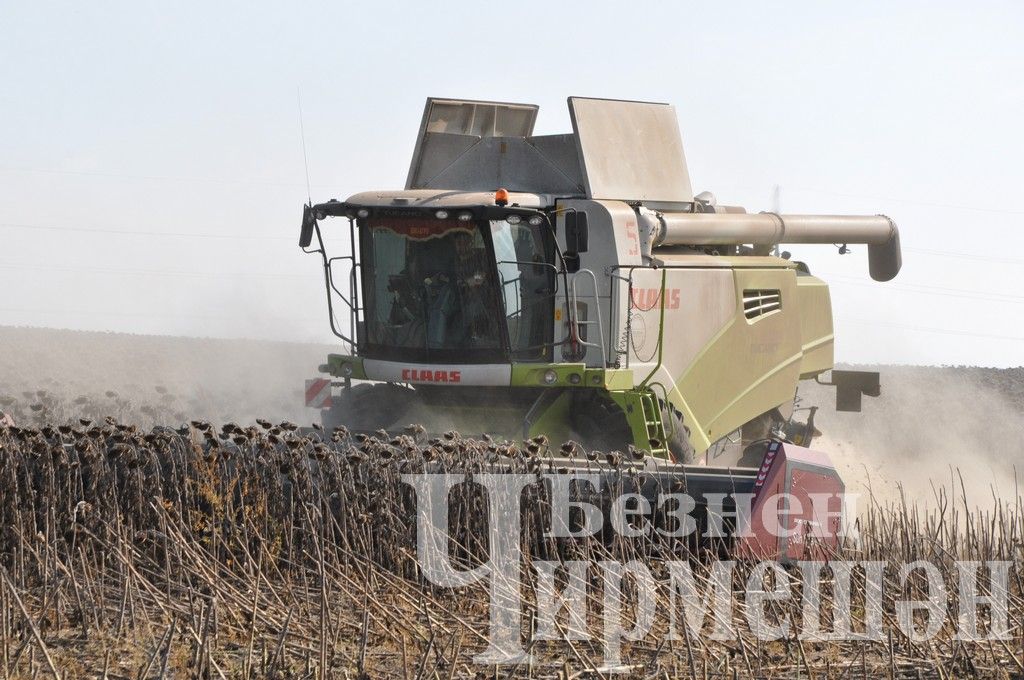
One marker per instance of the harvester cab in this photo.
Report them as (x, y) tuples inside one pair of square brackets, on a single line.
[(574, 286)]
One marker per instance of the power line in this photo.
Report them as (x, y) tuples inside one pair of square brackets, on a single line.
[(928, 329), (930, 290), (257, 182), (152, 272), (128, 232), (85, 312), (966, 256), (92, 313), (888, 324), (160, 178), (948, 206)]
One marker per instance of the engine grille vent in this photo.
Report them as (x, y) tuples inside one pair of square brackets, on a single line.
[(757, 303)]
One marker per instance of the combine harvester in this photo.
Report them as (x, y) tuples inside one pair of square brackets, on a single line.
[(573, 286)]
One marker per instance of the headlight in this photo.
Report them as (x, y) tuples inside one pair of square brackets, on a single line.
[(346, 370), (574, 378), (550, 376)]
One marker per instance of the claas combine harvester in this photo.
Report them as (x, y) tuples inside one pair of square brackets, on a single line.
[(573, 286)]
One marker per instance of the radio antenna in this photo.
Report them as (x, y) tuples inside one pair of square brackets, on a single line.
[(305, 158), (776, 208)]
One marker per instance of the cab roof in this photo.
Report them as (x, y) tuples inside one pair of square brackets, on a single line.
[(432, 198)]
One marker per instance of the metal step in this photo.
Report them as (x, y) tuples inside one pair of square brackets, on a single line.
[(647, 403)]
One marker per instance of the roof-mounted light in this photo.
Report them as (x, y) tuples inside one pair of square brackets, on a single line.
[(441, 214), (536, 220), (362, 212), (514, 219), (465, 216), (501, 197)]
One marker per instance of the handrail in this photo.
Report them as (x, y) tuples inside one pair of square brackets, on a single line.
[(330, 263), (551, 295), (654, 386), (661, 332), (597, 309), (353, 310), (616, 278), (328, 284)]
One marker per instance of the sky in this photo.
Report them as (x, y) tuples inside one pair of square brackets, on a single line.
[(152, 172)]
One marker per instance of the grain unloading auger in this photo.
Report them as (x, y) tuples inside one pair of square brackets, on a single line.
[(573, 286)]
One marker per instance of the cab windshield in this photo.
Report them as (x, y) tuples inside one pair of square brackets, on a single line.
[(454, 291)]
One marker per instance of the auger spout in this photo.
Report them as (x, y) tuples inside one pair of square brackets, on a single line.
[(878, 232)]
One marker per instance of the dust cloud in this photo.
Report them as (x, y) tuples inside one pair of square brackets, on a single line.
[(957, 429), (147, 380), (952, 430)]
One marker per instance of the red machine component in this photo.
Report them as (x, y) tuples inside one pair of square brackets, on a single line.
[(318, 393), (797, 506)]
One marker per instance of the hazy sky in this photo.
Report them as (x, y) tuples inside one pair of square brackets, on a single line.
[(151, 170)]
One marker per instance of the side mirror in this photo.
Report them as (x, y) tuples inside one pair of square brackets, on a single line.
[(577, 235), (577, 238), (306, 231), (851, 386), (572, 262)]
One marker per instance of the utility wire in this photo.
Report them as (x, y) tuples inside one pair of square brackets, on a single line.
[(151, 272), (162, 178), (928, 329), (966, 256), (842, 280), (867, 322), (87, 312), (945, 206), (128, 232), (256, 182)]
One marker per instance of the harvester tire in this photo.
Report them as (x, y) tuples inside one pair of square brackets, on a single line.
[(599, 422), (678, 435), (368, 407)]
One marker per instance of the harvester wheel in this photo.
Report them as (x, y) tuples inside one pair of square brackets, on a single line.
[(368, 407), (599, 422), (678, 434)]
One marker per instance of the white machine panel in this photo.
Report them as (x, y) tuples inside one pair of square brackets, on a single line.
[(630, 151)]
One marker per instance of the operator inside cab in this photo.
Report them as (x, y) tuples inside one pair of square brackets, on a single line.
[(455, 290), (440, 289)]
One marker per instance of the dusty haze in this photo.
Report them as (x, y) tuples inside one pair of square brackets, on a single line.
[(156, 379), (930, 423), (930, 427)]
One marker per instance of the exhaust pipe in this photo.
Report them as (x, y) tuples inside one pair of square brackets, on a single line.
[(878, 232)]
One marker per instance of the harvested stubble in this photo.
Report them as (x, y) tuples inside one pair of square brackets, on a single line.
[(260, 552)]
